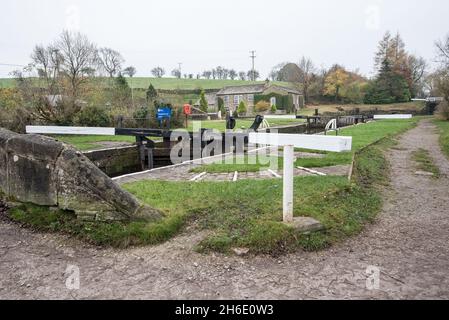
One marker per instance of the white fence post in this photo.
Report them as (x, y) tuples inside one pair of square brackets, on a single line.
[(288, 183), (290, 142)]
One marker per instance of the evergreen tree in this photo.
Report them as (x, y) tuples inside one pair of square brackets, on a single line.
[(122, 91), (151, 93), (389, 87), (204, 105), (241, 109)]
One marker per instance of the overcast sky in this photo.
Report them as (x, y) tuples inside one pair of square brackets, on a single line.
[(205, 33)]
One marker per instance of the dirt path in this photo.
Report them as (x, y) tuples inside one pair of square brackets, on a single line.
[(408, 244)]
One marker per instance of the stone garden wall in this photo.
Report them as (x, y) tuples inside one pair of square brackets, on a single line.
[(41, 170)]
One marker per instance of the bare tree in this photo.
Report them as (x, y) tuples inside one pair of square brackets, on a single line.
[(110, 60), (225, 73), (417, 68), (131, 71), (79, 58), (176, 73), (47, 61), (441, 76), (219, 72), (232, 74), (207, 74), (158, 72), (253, 75), (242, 75), (443, 50), (274, 74), (306, 75)]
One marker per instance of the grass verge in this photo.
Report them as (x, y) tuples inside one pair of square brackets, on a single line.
[(424, 162), (362, 136), (115, 234), (444, 135)]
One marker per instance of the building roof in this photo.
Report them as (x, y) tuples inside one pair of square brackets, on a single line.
[(254, 89)]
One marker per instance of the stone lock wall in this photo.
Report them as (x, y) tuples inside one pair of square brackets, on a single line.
[(44, 171)]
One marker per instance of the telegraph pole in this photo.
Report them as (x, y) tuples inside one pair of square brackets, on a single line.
[(253, 56), (179, 68)]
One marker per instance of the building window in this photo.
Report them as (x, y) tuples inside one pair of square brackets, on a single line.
[(237, 99), (226, 100), (273, 101), (250, 98)]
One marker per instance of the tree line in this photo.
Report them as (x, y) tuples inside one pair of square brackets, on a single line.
[(220, 73), (400, 76)]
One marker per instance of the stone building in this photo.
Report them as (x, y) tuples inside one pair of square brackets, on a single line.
[(282, 97)]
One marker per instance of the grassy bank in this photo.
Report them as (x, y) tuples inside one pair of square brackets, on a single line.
[(403, 107), (244, 214), (247, 213), (444, 135), (362, 136)]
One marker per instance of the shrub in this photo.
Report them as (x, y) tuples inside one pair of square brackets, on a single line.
[(262, 106), (204, 105), (93, 116), (274, 108), (221, 106), (443, 110), (151, 93), (141, 113), (283, 102), (241, 108)]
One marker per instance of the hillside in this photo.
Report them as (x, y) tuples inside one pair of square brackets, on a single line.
[(168, 83)]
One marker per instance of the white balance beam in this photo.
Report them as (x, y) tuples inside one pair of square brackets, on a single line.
[(280, 117), (305, 141), (392, 116), (289, 142), (71, 130)]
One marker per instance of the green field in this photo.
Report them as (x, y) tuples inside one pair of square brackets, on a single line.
[(165, 83)]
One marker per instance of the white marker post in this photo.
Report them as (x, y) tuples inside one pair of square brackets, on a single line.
[(289, 153), (291, 141)]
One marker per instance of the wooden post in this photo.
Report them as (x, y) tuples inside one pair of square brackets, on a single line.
[(288, 183)]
